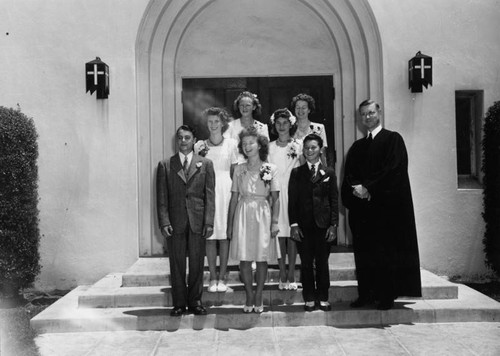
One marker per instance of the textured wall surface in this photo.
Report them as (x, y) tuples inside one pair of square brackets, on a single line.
[(87, 163), (88, 148), (462, 38)]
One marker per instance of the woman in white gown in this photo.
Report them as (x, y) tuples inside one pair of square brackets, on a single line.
[(246, 112), (303, 105), (286, 154), (224, 154)]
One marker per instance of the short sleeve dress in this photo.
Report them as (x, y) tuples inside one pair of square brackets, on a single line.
[(252, 219), (223, 156), (314, 127), (285, 158)]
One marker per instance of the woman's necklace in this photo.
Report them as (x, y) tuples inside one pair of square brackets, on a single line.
[(212, 143), (303, 130)]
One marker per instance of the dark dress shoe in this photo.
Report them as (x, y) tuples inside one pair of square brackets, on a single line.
[(385, 305), (198, 310), (358, 303), (325, 306), (177, 311), (309, 308)]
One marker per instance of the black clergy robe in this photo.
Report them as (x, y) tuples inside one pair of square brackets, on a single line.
[(384, 233)]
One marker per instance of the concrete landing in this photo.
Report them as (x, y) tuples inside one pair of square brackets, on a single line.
[(140, 299), (65, 316), (419, 339)]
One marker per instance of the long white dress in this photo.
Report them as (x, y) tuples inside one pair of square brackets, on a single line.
[(252, 219), (285, 158), (223, 156)]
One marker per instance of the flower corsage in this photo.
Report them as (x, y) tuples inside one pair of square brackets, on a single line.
[(293, 149), (265, 173), (201, 148), (315, 129)]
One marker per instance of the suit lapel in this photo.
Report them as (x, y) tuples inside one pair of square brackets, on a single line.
[(192, 168), (177, 167)]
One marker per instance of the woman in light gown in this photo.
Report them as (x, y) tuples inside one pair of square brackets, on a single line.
[(253, 215), (286, 154), (303, 105), (246, 112), (224, 154)]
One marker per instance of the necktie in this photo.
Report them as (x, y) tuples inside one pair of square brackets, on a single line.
[(370, 137), (185, 166), (313, 171)]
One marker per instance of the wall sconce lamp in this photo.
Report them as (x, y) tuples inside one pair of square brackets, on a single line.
[(97, 78), (420, 72)]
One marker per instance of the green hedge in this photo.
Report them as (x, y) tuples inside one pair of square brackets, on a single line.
[(19, 232), (491, 193)]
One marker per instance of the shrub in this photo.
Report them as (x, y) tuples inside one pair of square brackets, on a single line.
[(19, 232), (491, 193)]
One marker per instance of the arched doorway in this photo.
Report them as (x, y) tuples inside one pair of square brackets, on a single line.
[(227, 38)]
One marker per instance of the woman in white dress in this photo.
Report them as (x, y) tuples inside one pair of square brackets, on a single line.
[(253, 215), (303, 105), (286, 154), (246, 111), (224, 154)]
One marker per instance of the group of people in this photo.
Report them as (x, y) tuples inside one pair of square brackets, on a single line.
[(241, 197)]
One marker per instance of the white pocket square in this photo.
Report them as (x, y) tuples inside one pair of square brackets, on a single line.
[(326, 180)]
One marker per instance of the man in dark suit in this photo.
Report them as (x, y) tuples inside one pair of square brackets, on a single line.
[(186, 204), (376, 190), (313, 212)]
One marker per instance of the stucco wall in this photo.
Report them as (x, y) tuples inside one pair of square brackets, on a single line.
[(87, 163), (88, 148), (462, 38)]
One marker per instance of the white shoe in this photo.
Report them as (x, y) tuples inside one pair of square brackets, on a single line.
[(283, 285), (212, 287), (293, 286), (221, 287)]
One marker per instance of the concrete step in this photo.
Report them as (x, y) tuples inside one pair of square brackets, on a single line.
[(65, 316), (155, 271), (108, 293)]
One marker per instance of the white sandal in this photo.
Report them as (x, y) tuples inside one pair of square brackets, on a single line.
[(283, 285), (212, 287)]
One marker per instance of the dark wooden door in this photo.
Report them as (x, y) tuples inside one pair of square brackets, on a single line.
[(273, 93)]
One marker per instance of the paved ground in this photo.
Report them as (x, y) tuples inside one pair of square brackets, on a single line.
[(418, 339)]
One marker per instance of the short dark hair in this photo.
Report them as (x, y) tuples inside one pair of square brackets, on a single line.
[(262, 140), (313, 137), (246, 94), (304, 97), (221, 113), (369, 102), (186, 128), (286, 114)]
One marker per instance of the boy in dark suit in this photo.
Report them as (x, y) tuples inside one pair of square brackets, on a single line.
[(313, 211), (186, 205)]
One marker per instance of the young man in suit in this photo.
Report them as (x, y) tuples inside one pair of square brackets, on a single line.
[(186, 205), (376, 190), (313, 212)]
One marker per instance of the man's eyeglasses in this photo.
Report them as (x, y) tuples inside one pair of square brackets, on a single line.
[(369, 113)]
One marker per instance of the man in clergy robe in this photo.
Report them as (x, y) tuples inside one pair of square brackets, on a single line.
[(313, 213), (376, 191), (185, 189)]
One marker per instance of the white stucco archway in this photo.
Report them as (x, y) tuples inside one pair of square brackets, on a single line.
[(182, 38)]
